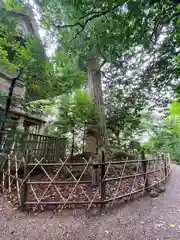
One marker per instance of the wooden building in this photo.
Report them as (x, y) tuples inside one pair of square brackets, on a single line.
[(21, 118)]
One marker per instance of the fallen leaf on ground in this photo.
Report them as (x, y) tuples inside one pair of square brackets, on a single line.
[(141, 222), (172, 225), (158, 225)]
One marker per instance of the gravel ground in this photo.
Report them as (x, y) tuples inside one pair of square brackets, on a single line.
[(143, 219)]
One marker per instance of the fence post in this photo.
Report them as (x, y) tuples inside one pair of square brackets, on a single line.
[(144, 166), (6, 169), (3, 165), (165, 165), (95, 174), (25, 186), (102, 183)]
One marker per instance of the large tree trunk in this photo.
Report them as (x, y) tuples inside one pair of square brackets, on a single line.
[(96, 140)]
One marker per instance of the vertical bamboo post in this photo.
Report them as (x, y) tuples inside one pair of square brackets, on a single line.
[(95, 174), (25, 186), (1, 166), (9, 172), (102, 183), (165, 166), (144, 166), (5, 169), (169, 163)]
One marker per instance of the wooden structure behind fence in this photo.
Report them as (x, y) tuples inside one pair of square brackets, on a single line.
[(38, 146)]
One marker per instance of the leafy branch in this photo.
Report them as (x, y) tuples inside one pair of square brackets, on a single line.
[(90, 16), (160, 19)]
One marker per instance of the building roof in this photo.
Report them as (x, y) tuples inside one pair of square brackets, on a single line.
[(17, 112)]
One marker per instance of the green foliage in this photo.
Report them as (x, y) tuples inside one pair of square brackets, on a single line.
[(140, 68), (123, 24), (74, 112), (174, 116), (44, 78), (79, 31), (175, 108), (167, 134)]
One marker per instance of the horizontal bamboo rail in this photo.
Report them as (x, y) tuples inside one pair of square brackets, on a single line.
[(98, 202), (90, 180), (91, 164), (138, 191)]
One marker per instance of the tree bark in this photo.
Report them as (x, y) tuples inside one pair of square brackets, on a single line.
[(95, 91)]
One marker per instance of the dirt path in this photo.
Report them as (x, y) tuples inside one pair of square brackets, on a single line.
[(144, 219)]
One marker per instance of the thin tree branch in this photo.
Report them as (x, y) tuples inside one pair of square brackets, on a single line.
[(104, 75), (96, 14), (173, 16), (78, 33), (160, 20), (69, 25), (88, 14), (83, 25), (102, 64)]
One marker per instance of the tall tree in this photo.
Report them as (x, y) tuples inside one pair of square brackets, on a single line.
[(91, 43), (110, 32)]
